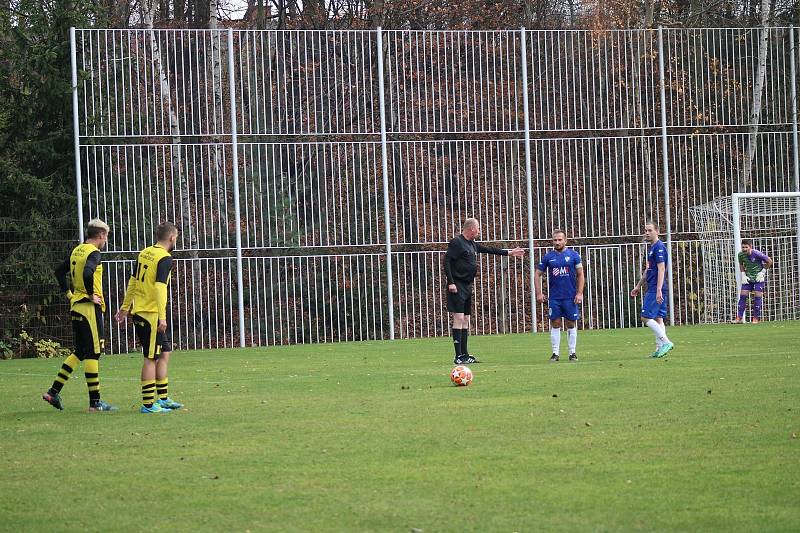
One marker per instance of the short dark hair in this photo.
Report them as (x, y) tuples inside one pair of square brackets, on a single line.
[(748, 242), (559, 230), (653, 223), (165, 229)]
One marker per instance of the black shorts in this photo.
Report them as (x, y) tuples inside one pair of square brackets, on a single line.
[(146, 324), (461, 301), (87, 324)]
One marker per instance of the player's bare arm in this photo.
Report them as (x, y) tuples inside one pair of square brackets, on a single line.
[(537, 282), (581, 279), (660, 283), (639, 284)]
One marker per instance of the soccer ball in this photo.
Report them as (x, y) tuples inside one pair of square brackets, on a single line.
[(461, 376)]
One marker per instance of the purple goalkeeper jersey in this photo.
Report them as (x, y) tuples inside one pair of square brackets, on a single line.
[(753, 263)]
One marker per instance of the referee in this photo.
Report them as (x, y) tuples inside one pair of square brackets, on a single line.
[(460, 266)]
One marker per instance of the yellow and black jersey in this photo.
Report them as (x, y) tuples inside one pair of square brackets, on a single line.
[(82, 274), (147, 288)]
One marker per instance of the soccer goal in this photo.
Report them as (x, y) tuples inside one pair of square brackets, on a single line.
[(772, 222)]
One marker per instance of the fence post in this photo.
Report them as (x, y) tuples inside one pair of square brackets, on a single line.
[(236, 209), (793, 74), (385, 169), (793, 81), (76, 131), (665, 169), (528, 173)]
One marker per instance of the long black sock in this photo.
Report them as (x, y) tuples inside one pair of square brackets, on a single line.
[(464, 335), (457, 341)]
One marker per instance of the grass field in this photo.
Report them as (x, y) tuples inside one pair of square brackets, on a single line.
[(372, 437)]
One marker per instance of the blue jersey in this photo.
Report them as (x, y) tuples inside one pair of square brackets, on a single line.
[(655, 255), (562, 273)]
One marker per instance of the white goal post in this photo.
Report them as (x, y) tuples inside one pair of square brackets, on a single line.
[(772, 222), (736, 205)]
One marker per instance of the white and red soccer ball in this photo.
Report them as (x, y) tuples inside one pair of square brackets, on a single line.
[(461, 376)]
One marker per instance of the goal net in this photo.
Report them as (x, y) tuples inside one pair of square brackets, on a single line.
[(771, 222)]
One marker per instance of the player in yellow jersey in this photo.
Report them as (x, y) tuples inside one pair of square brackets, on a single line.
[(81, 279), (146, 301)]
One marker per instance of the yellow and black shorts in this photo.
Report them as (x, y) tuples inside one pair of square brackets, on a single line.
[(153, 341), (87, 324)]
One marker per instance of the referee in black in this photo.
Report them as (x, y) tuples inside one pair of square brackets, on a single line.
[(460, 266)]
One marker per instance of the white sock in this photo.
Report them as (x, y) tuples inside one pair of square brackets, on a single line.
[(572, 339), (659, 330), (555, 339)]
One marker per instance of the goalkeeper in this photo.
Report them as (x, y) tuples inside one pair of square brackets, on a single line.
[(753, 265)]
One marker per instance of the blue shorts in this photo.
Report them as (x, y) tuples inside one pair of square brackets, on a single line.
[(756, 286), (563, 308), (651, 308)]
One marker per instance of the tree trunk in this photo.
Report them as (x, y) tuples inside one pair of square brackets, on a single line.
[(375, 13), (638, 54), (216, 76), (180, 11), (176, 159), (758, 89)]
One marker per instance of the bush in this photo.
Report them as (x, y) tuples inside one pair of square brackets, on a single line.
[(24, 346)]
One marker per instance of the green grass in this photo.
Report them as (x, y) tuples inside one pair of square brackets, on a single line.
[(372, 437)]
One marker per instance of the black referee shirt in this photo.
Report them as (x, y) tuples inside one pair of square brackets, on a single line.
[(461, 260)]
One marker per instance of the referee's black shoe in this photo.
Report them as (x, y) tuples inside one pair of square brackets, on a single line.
[(465, 359)]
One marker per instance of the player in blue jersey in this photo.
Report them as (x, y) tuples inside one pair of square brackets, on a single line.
[(654, 306), (565, 281)]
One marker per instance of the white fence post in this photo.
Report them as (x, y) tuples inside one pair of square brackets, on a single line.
[(793, 82), (796, 157), (528, 173), (236, 208), (76, 130), (385, 171), (665, 170)]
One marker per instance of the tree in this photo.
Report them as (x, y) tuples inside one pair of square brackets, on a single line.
[(36, 151), (758, 89)]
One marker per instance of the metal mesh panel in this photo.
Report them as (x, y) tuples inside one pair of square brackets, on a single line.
[(202, 304), (152, 83), (306, 82), (302, 299), (311, 195), (711, 75), (593, 80), (712, 165), (598, 188), (133, 187), (453, 81), (436, 186)]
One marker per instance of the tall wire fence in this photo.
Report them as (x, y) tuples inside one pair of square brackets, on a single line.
[(32, 308), (318, 175)]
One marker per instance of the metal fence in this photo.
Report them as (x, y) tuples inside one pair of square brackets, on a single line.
[(318, 175)]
